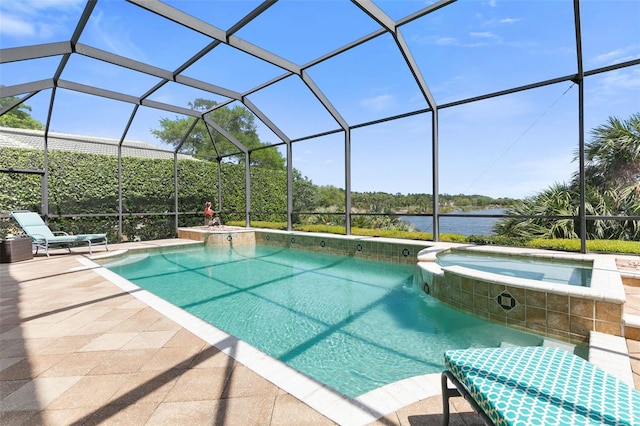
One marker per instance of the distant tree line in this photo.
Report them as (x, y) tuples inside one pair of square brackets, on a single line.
[(385, 203)]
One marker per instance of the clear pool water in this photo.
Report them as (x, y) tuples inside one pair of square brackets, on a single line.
[(540, 269), (350, 323)]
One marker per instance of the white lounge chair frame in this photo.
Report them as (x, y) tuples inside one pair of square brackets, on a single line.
[(42, 237)]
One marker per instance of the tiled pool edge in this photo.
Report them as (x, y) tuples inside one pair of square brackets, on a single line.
[(374, 248), (362, 410), (566, 312)]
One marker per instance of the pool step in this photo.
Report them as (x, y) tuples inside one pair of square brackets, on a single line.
[(631, 326), (551, 343), (611, 354)]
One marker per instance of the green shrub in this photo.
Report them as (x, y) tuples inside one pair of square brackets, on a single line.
[(452, 238), (497, 240), (596, 246), (263, 224), (82, 184), (329, 229)]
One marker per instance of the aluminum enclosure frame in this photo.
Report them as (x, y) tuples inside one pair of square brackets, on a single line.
[(221, 37)]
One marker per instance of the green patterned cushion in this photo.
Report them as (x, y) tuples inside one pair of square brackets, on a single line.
[(543, 386)]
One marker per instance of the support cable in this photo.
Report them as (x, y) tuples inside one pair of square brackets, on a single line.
[(522, 135)]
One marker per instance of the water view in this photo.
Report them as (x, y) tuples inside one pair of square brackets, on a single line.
[(458, 225)]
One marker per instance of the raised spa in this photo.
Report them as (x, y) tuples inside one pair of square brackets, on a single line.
[(555, 294), (570, 272)]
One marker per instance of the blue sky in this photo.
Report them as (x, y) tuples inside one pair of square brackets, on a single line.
[(511, 146)]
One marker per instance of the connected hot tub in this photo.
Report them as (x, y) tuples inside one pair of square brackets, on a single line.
[(555, 294), (556, 271)]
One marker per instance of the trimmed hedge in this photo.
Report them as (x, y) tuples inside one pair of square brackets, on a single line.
[(84, 184), (599, 246)]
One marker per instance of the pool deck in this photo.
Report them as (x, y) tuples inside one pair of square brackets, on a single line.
[(78, 347)]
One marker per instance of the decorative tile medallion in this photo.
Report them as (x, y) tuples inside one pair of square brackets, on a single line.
[(506, 301)]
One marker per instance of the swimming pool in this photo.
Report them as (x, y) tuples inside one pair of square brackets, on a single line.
[(548, 270), (351, 323)]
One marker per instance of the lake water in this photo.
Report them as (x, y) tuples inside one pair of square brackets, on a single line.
[(458, 225)]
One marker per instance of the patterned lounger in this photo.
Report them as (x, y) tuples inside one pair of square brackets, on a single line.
[(537, 386)]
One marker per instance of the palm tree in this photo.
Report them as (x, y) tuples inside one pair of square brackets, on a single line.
[(612, 157), (612, 177)]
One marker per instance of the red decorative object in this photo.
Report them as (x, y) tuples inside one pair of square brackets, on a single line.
[(208, 211)]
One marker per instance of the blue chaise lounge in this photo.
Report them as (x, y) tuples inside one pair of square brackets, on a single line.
[(537, 386), (42, 237)]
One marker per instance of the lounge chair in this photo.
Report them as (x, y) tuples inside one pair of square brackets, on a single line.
[(537, 385), (42, 237)]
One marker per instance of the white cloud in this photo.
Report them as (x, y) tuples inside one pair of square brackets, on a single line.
[(627, 53), (36, 19), (501, 21), (606, 57), (35, 6), (446, 40), (453, 41), (15, 26), (116, 37), (508, 21), (485, 34), (378, 103), (621, 79)]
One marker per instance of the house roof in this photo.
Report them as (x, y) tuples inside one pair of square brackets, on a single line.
[(34, 139)]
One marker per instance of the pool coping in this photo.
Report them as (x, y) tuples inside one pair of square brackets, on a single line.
[(610, 353)]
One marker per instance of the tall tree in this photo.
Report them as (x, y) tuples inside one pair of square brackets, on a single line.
[(19, 117), (330, 195), (305, 193), (613, 155), (207, 143), (612, 177)]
